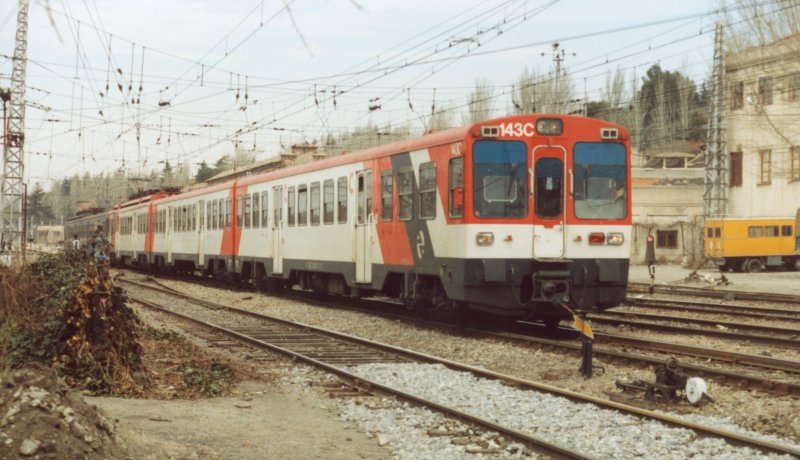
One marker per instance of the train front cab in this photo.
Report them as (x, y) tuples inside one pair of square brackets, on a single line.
[(549, 218)]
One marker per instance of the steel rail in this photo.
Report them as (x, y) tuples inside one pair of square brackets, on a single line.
[(701, 321), (715, 293), (700, 307), (735, 438)]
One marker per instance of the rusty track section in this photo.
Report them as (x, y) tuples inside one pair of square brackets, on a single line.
[(714, 293), (404, 354), (646, 321), (780, 314)]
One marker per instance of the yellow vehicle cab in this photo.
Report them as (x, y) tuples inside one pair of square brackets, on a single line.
[(752, 244)]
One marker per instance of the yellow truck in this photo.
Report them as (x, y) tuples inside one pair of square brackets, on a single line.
[(752, 244)]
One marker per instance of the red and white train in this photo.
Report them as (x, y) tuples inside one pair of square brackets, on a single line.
[(513, 216)]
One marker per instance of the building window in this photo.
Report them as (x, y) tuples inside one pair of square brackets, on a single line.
[(667, 239), (736, 169), (737, 95), (387, 189), (794, 87), (794, 160), (765, 90), (765, 170)]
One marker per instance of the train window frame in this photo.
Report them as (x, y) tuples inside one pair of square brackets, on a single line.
[(755, 231), (341, 200), (239, 211), (609, 161), (315, 204), (248, 210), (214, 214), (328, 200), (427, 191), (302, 205), (228, 211), (387, 193), (256, 210), (709, 232), (717, 232), (405, 194), (455, 181), (771, 231), (209, 215), (277, 206), (265, 209), (291, 206), (786, 230)]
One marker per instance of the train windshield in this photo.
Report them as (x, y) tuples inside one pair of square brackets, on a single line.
[(500, 179), (600, 181)]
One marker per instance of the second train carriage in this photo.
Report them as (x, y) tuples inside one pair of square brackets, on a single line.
[(512, 216)]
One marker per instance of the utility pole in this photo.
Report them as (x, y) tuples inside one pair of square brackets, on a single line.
[(559, 54), (12, 189), (715, 198)]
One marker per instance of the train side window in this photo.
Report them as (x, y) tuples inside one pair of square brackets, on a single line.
[(277, 206), (717, 232), (256, 210), (427, 190), (455, 204), (302, 204), (214, 215), (264, 209), (771, 230), (710, 232), (239, 209), (327, 202), (387, 188), (315, 205), (292, 204), (248, 209), (341, 203), (755, 232), (405, 194), (208, 215), (227, 213), (786, 230)]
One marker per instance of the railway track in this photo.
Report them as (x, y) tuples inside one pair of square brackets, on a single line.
[(780, 336), (714, 293), (732, 368), (303, 342), (778, 314)]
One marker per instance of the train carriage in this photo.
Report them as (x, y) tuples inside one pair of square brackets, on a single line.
[(516, 216)]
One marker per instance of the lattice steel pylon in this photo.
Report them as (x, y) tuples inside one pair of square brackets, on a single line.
[(12, 189), (715, 197)]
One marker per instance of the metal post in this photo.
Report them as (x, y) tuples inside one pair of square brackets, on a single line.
[(586, 356)]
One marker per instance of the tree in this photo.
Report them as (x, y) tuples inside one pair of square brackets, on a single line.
[(543, 93), (167, 175), (672, 109), (39, 211), (204, 172), (480, 102)]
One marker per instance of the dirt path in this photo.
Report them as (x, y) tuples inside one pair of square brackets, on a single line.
[(263, 422)]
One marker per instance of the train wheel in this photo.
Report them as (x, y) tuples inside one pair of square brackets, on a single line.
[(753, 265)]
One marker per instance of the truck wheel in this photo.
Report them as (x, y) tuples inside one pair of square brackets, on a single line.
[(753, 265)]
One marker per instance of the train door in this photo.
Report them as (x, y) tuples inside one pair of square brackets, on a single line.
[(277, 229), (364, 218), (170, 229), (549, 191), (201, 230)]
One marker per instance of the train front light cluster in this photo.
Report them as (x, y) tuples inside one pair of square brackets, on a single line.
[(612, 238), (484, 238)]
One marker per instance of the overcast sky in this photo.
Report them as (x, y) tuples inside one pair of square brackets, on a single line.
[(198, 55)]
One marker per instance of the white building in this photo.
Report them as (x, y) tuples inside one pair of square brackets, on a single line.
[(763, 97)]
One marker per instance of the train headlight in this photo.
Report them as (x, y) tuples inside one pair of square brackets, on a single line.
[(615, 238), (484, 238)]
